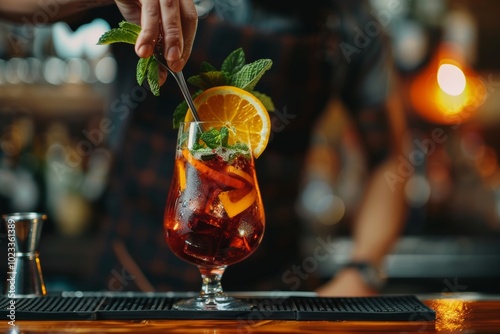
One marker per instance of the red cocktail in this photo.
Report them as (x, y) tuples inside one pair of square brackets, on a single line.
[(214, 214)]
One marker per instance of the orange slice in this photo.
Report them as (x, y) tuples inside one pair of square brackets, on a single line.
[(233, 171), (181, 169), (212, 173), (237, 201), (233, 104)]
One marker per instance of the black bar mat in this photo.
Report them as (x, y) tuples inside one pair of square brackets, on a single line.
[(51, 308), (365, 308), (159, 306)]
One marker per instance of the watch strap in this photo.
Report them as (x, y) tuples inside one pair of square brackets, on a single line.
[(372, 275)]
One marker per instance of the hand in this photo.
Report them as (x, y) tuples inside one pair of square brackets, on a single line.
[(178, 20), (347, 283)]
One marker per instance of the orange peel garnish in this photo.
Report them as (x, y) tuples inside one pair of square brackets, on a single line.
[(237, 201)]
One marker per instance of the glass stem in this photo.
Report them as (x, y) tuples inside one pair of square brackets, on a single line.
[(211, 288)]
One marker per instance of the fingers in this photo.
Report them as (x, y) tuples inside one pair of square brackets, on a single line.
[(179, 21), (150, 18), (172, 29), (189, 20)]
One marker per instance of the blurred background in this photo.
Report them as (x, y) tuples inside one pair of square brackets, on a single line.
[(56, 85)]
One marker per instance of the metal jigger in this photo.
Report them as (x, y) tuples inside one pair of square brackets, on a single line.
[(24, 274)]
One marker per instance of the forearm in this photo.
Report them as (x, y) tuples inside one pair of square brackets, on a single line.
[(381, 216), (45, 11)]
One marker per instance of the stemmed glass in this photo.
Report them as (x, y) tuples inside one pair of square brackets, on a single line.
[(214, 215)]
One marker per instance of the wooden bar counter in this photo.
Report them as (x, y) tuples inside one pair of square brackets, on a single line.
[(454, 314)]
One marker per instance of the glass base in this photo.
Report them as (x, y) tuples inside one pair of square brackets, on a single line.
[(222, 303)]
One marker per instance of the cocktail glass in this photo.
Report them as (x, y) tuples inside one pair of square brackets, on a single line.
[(214, 215)]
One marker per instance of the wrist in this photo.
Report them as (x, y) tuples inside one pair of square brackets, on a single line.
[(370, 274)]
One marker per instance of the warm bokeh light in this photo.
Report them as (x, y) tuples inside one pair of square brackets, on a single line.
[(451, 79), (452, 94), (447, 91)]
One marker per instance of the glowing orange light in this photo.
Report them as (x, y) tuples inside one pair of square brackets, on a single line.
[(451, 79), (447, 92), (450, 314)]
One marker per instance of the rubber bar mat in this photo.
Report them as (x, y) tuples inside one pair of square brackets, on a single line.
[(158, 306)]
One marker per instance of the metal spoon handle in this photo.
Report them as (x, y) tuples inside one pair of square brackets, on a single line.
[(179, 77)]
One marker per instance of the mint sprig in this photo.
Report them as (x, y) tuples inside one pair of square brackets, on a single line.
[(147, 68), (233, 72), (215, 138)]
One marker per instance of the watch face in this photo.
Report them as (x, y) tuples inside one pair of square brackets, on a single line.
[(370, 274)]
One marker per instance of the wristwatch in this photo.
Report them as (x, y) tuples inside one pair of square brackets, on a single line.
[(372, 275)]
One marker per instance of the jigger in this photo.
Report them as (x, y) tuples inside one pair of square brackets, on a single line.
[(24, 273)]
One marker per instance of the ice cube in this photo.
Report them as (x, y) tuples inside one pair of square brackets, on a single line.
[(245, 229), (203, 240), (206, 225), (216, 209), (200, 246)]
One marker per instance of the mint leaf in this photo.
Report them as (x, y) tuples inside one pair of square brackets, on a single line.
[(214, 78), (267, 102), (197, 81), (153, 78), (212, 138), (199, 147), (147, 68), (215, 138), (117, 35), (207, 67), (130, 27), (142, 69), (233, 62), (248, 76), (180, 114), (240, 147), (206, 80)]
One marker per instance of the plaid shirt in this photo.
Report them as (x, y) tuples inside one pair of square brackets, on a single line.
[(309, 67)]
